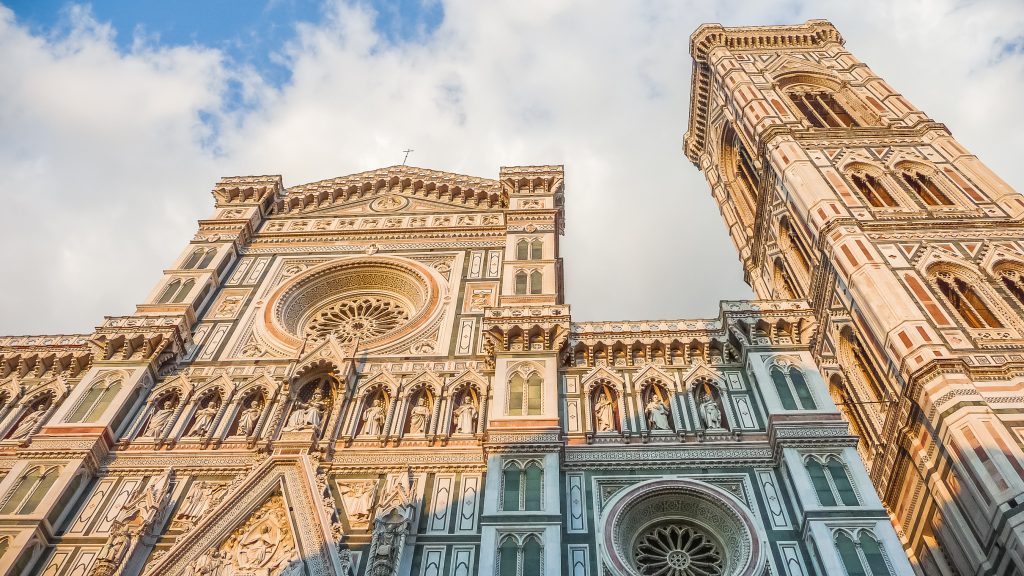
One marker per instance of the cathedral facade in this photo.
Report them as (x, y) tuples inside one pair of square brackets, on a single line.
[(378, 375)]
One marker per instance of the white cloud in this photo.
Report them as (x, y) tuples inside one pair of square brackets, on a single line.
[(107, 170)]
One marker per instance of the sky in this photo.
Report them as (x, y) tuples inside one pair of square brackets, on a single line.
[(117, 117)]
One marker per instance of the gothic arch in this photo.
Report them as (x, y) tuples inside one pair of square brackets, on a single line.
[(833, 103), (927, 184), (874, 184), (967, 295), (739, 175)]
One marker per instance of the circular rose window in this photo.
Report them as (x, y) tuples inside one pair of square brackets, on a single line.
[(370, 300), (680, 527)]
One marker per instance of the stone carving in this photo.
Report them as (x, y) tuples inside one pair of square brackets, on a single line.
[(208, 564), (204, 419), (307, 415), (263, 545), (357, 498), (141, 515), (249, 418), (657, 415), (465, 417), (373, 418), (230, 306), (712, 414), (604, 414), (29, 422), (363, 318), (113, 550), (158, 421), (203, 496), (679, 551), (391, 527), (419, 417)]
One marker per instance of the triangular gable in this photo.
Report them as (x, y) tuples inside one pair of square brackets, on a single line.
[(429, 377), (652, 371), (602, 373), (470, 375), (252, 529), (699, 371), (381, 378), (446, 188), (329, 355)]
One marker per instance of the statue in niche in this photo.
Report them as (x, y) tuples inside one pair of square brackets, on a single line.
[(389, 536), (604, 413), (249, 417), (204, 419), (420, 415), (358, 499), (712, 413), (374, 418), (158, 421), (307, 415), (657, 414), (465, 417), (29, 422)]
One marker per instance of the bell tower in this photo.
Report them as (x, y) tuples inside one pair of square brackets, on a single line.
[(838, 191)]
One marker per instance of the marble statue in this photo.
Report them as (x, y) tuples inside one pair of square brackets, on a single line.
[(204, 420), (250, 416), (465, 417), (419, 418), (657, 415), (159, 419), (604, 414), (374, 419), (29, 422), (712, 414)]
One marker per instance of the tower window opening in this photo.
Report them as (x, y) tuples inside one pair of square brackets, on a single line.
[(873, 191), (926, 189), (822, 110), (966, 302)]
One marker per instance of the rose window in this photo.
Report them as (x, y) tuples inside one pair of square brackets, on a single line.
[(357, 319), (677, 551)]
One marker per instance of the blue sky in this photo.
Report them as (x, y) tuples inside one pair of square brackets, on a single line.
[(248, 32), (116, 119)]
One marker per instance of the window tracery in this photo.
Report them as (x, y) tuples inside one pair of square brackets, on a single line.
[(1012, 277), (965, 300), (831, 480), (360, 318), (522, 486), (30, 490), (96, 400), (521, 556), (821, 108), (678, 550), (742, 177), (924, 187), (525, 394), (861, 553), (794, 393), (872, 189)]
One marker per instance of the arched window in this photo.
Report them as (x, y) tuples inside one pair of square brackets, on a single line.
[(536, 282), (925, 188), (522, 486), (966, 302), (783, 285), (169, 291), (738, 169), (536, 249), (533, 394), (95, 401), (523, 249), (193, 259), (508, 557), (831, 482), (208, 258), (863, 556), (525, 394), (1013, 280), (822, 109), (533, 553), (521, 282), (793, 249), (872, 189), (792, 387), (521, 557), (30, 491), (186, 287)]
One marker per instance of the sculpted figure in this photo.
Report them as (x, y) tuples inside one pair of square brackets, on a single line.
[(258, 547), (297, 419), (657, 415), (712, 414), (420, 417), (29, 422), (604, 414), (208, 564), (358, 498), (374, 419), (465, 417), (198, 501), (116, 545), (159, 419), (154, 497), (204, 420), (315, 411), (250, 416)]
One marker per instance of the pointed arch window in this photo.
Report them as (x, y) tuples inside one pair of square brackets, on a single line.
[(831, 481), (30, 491), (95, 401), (536, 249), (822, 110), (523, 249), (1013, 280), (208, 258), (193, 259), (792, 388), (872, 189), (522, 486), (536, 282), (966, 301), (862, 556), (522, 281), (169, 291), (521, 556), (186, 287), (926, 188)]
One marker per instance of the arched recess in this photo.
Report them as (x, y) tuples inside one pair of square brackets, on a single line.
[(32, 412), (927, 185), (740, 176), (824, 101), (467, 397), (96, 400), (709, 395), (967, 295), (874, 185), (1010, 274), (419, 404), (249, 408), (795, 253), (837, 390), (374, 406), (658, 409), (865, 399)]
